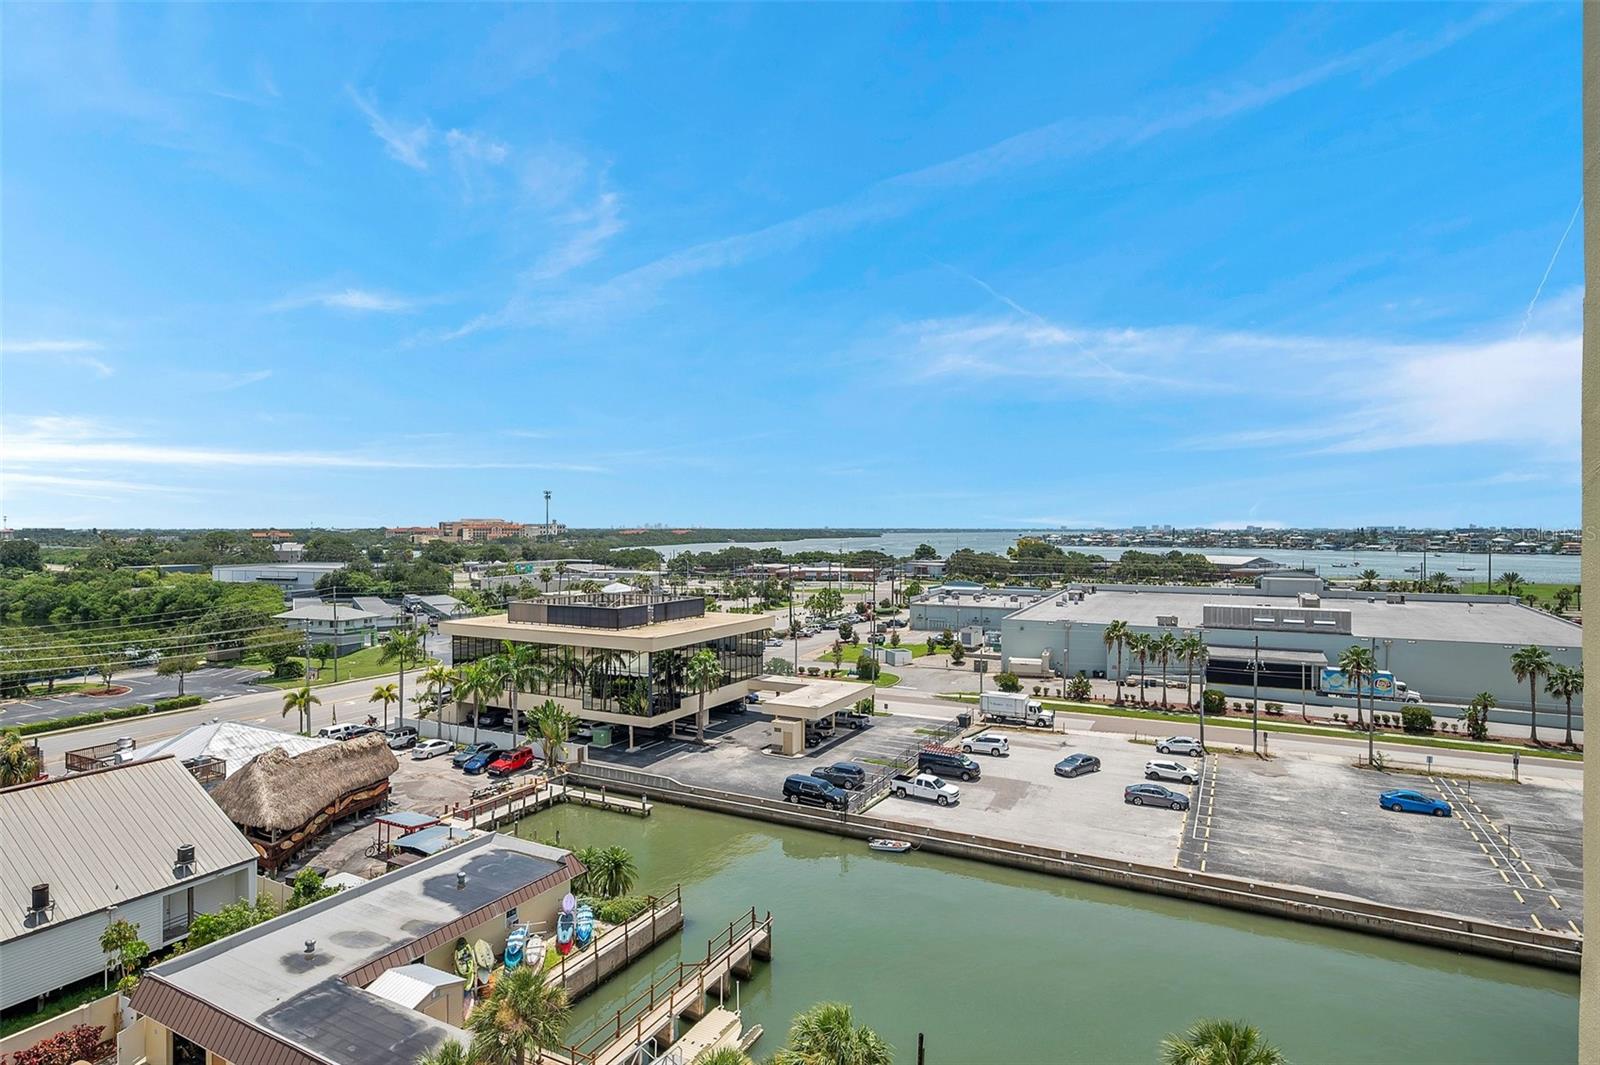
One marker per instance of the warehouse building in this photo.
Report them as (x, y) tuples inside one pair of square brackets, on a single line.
[(1448, 648)]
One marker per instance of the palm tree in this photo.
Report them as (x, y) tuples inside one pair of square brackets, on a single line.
[(1358, 664), (435, 679), (385, 694), (526, 671), (1369, 580), (448, 1052), (1531, 664), (1116, 638), (1512, 582), (403, 646), (1564, 683), (523, 1017), (301, 703), (18, 765), (1165, 647), (611, 871), (725, 1056), (1563, 598), (475, 682), (1191, 649), (703, 672), (544, 575), (1220, 1042), (1139, 644), (554, 725), (827, 1034)]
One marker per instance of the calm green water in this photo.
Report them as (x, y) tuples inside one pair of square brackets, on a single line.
[(999, 965)]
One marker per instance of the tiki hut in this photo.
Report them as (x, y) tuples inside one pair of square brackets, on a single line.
[(281, 802)]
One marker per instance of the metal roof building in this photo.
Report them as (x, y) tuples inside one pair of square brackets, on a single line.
[(232, 742)]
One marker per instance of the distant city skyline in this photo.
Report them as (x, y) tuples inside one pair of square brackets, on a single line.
[(1053, 266)]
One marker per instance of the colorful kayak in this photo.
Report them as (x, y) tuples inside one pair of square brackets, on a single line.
[(565, 926), (464, 964), (483, 954), (516, 943), (585, 921)]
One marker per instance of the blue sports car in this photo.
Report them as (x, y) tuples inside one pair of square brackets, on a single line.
[(1403, 800), (480, 761)]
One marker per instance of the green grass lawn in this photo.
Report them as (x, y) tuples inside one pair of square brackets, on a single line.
[(363, 663), (60, 1002), (1544, 593), (852, 652), (1303, 730)]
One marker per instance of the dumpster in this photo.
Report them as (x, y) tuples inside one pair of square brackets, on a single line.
[(964, 719), (601, 736)]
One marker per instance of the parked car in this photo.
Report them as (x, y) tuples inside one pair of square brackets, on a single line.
[(774, 642), (401, 738), (876, 638), (949, 762), (1180, 745), (341, 732), (430, 748), (853, 719), (986, 744), (1170, 771), (511, 762), (481, 761), (824, 726), (494, 718), (1154, 795), (1074, 765), (813, 792), (472, 750), (1404, 800), (924, 786), (846, 775)]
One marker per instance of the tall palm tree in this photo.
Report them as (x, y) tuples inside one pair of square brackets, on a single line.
[(611, 871), (1512, 582), (554, 725), (725, 1056), (300, 702), (1116, 638), (1564, 683), (1220, 1042), (1358, 664), (703, 672), (1369, 580), (448, 1052), (1532, 664), (527, 673), (827, 1034), (523, 1017), (403, 646), (1139, 645), (476, 682), (17, 762), (1191, 649), (1165, 647), (385, 694)]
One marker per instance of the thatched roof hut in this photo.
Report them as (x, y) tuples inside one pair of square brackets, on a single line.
[(276, 792)]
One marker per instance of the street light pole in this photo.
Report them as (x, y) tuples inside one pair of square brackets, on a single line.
[(1255, 700)]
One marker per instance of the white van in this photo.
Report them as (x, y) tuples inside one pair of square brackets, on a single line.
[(340, 732)]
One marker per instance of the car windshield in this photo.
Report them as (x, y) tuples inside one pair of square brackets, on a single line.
[(937, 782)]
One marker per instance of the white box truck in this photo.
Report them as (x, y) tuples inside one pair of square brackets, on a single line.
[(1013, 708)]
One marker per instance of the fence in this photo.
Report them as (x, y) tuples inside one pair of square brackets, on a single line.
[(877, 782), (101, 754)]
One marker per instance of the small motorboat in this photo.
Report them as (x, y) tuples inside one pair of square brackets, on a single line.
[(1466, 569), (889, 846), (565, 927), (464, 960), (584, 932), (516, 943)]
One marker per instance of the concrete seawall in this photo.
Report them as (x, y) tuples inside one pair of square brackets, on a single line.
[(1545, 949)]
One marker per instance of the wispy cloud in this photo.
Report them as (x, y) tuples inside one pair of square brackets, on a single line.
[(56, 439), (349, 299), (405, 142), (73, 352), (227, 382), (76, 486)]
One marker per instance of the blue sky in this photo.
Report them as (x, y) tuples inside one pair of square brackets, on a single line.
[(790, 265)]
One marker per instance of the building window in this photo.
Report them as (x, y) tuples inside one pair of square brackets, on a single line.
[(186, 1051)]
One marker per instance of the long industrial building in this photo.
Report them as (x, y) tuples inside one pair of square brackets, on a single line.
[(1448, 648)]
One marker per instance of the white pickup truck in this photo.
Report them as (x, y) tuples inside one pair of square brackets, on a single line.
[(924, 786)]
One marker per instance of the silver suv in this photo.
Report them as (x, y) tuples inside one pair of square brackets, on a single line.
[(1170, 771), (1180, 745), (986, 744)]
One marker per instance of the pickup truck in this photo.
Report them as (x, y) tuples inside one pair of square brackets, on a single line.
[(924, 786)]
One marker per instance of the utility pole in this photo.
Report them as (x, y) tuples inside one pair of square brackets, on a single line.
[(1255, 700), (336, 634), (1372, 721), (547, 512)]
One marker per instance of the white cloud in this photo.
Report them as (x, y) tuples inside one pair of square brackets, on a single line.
[(227, 382), (68, 352), (406, 143), (349, 299), (591, 227)]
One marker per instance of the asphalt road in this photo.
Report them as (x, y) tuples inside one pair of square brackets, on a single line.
[(144, 687)]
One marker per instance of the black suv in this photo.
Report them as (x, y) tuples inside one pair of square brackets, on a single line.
[(846, 775), (948, 764), (801, 788)]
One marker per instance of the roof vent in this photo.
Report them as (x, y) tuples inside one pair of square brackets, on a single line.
[(40, 899), (461, 880), (311, 947), (186, 854)]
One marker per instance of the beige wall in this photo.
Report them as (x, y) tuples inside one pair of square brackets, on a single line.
[(1589, 996), (102, 1011)]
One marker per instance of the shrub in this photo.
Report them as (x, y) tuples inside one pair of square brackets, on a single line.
[(81, 1042), (1078, 687), (289, 669), (780, 667), (91, 717), (867, 668), (178, 702), (1213, 702), (1008, 682), (1416, 719), (1275, 709), (812, 671), (1037, 691), (622, 908)]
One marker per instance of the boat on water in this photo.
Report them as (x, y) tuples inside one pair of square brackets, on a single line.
[(1413, 569), (566, 925), (584, 932), (464, 960), (1466, 569), (1341, 565), (889, 846), (516, 944)]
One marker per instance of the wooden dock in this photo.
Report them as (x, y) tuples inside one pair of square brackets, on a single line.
[(518, 802), (650, 1018)]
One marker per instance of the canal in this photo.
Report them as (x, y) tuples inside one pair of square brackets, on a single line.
[(1002, 965)]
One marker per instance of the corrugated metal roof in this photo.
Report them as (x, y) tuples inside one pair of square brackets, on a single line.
[(235, 742), (105, 837)]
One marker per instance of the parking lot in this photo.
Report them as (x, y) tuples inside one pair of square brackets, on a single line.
[(1511, 853)]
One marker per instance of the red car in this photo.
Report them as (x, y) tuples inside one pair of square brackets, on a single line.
[(511, 762)]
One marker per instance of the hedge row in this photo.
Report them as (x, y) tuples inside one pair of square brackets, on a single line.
[(96, 717)]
